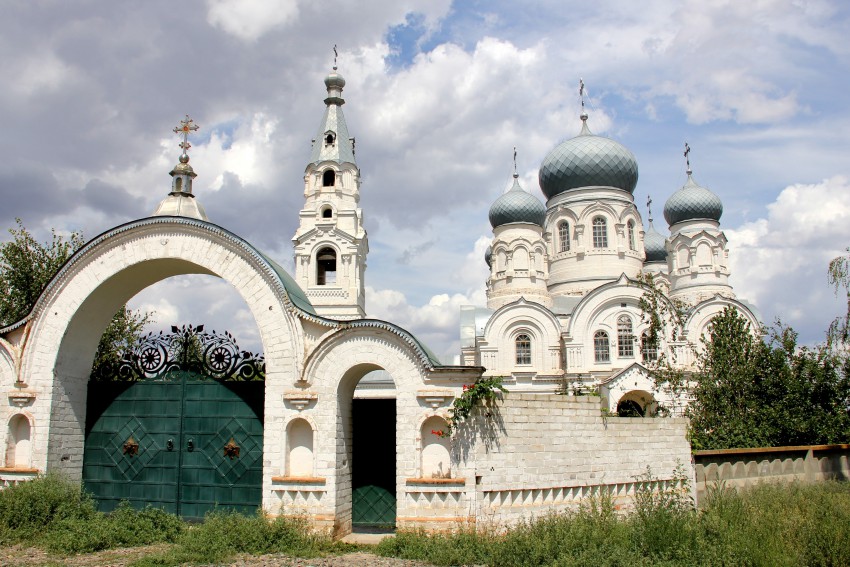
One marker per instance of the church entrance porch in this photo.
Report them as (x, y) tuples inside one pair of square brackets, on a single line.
[(374, 463)]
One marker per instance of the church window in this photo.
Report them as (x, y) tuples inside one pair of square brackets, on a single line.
[(600, 233), (327, 213), (178, 185), (329, 139), (523, 349), (299, 440), (564, 236), (631, 228), (625, 341), (648, 348), (601, 347), (329, 178), (326, 266)]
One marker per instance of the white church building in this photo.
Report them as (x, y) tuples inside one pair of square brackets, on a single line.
[(304, 435)]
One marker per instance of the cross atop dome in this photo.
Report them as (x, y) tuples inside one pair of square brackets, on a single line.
[(688, 158), (187, 125)]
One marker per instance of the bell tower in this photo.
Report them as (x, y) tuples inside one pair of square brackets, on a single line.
[(330, 242)]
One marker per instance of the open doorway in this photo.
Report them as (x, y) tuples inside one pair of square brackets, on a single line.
[(373, 481)]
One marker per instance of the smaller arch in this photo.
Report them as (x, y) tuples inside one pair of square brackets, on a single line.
[(18, 442), (299, 448), (436, 449), (328, 178), (600, 232), (563, 236), (326, 266), (601, 347), (637, 403), (522, 349), (327, 212), (625, 340)]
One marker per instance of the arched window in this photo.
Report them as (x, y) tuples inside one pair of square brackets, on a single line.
[(563, 236), (631, 228), (329, 178), (327, 213), (625, 340), (523, 349), (648, 349), (299, 440), (601, 347), (436, 447), (600, 233), (326, 266), (329, 139)]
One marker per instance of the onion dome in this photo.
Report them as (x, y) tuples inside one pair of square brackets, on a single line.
[(655, 245), (334, 80), (517, 206), (488, 256), (587, 161), (692, 202)]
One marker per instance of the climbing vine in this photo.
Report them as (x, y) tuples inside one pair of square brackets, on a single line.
[(481, 392)]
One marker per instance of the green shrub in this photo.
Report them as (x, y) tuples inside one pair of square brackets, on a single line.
[(29, 508)]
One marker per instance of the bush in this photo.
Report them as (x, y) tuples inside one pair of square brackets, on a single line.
[(28, 509)]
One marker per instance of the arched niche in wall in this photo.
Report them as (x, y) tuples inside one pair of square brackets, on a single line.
[(436, 455), (299, 444), (18, 447)]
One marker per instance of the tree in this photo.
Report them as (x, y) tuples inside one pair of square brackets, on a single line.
[(838, 275), (750, 392), (27, 266)]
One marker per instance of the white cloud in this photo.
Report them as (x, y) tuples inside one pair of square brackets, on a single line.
[(250, 19), (780, 262)]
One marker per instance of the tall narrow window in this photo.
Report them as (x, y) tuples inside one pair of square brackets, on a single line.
[(601, 347), (600, 233), (329, 178), (563, 236), (523, 349), (625, 341), (648, 348), (326, 266), (631, 227)]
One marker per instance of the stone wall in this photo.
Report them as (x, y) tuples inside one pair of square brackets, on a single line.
[(538, 453), (740, 468)]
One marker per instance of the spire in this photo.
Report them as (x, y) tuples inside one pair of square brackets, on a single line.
[(332, 142), (180, 201)]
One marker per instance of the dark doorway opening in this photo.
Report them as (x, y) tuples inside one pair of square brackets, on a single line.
[(373, 480)]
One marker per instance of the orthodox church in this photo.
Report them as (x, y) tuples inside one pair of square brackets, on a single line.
[(566, 279), (307, 429)]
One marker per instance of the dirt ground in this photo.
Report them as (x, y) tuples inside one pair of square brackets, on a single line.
[(31, 557)]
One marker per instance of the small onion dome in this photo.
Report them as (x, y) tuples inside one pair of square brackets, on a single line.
[(692, 202), (655, 245), (517, 206), (587, 161), (334, 80), (488, 256)]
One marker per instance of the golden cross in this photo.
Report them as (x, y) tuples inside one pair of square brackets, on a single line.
[(186, 126)]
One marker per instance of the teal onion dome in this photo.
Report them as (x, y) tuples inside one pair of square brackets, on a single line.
[(587, 161), (517, 206), (488, 256), (654, 245), (692, 202)]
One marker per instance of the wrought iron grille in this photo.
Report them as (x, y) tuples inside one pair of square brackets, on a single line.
[(187, 348)]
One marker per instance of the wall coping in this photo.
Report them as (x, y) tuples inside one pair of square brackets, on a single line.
[(299, 479), (785, 449), (443, 481)]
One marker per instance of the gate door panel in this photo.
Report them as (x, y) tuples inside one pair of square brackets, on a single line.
[(186, 445)]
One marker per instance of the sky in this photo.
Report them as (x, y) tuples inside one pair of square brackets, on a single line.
[(438, 93)]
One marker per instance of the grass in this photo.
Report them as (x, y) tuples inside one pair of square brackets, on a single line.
[(769, 525), (775, 525)]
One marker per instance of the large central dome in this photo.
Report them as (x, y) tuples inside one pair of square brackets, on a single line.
[(588, 161)]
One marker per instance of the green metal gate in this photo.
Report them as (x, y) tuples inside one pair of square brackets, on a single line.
[(182, 441)]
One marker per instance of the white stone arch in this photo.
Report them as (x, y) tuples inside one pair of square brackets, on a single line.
[(78, 303), (538, 322), (700, 316), (333, 370)]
